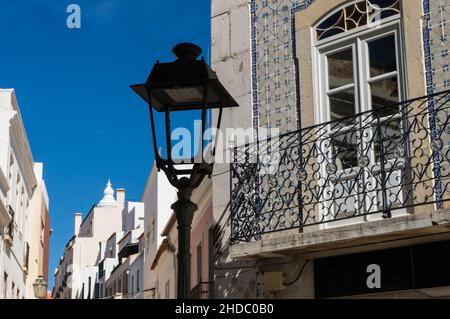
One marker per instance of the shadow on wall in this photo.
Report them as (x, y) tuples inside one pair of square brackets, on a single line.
[(233, 279)]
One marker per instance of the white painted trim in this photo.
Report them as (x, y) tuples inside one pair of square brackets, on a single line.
[(357, 40), (19, 143), (346, 34)]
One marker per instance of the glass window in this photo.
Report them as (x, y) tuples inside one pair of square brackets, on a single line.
[(199, 264), (360, 73), (138, 288), (356, 15), (345, 150), (342, 105), (385, 93), (167, 292), (340, 68), (382, 56)]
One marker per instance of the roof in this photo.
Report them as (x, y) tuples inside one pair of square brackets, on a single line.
[(89, 214), (125, 236), (165, 245), (151, 177), (70, 240), (169, 225)]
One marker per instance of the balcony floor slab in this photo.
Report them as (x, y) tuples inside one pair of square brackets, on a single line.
[(374, 235)]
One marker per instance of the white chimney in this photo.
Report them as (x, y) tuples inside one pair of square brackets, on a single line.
[(78, 221), (120, 195)]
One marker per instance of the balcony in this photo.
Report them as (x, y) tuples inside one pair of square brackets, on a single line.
[(26, 259), (365, 176), (9, 235), (101, 269), (204, 290), (4, 216)]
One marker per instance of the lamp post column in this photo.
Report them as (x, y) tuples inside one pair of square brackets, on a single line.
[(184, 210)]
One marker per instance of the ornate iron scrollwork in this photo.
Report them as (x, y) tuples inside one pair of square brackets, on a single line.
[(389, 159)]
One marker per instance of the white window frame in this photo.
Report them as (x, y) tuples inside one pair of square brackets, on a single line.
[(358, 40), (340, 43)]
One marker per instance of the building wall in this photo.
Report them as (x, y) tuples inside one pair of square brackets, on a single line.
[(89, 278), (39, 233), (164, 270), (165, 284), (200, 238), (97, 241), (17, 166), (135, 286), (115, 286), (86, 247), (133, 216), (158, 198), (270, 64), (46, 241), (200, 235), (231, 59), (63, 274)]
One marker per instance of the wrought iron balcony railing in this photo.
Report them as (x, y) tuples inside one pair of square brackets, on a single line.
[(369, 166)]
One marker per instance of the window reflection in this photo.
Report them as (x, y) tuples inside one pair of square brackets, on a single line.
[(340, 68), (385, 93), (345, 149), (342, 105), (383, 56)]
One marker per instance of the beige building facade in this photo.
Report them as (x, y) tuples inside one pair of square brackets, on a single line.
[(164, 264), (158, 198), (39, 232), (357, 90), (87, 258)]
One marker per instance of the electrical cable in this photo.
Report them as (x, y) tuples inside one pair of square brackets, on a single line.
[(299, 274), (222, 173)]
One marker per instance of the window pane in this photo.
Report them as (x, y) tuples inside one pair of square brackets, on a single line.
[(345, 149), (342, 105), (382, 54), (383, 4), (356, 15), (385, 93), (340, 68), (391, 131)]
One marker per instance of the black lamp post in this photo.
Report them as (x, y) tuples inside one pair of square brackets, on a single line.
[(187, 84)]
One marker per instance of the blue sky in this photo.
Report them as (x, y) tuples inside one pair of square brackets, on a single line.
[(82, 120)]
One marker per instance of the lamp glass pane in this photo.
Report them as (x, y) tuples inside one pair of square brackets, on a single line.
[(186, 95), (40, 290), (186, 134)]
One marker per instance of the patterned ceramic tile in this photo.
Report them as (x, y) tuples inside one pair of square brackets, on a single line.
[(437, 29), (276, 87)]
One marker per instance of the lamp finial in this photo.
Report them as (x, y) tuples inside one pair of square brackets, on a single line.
[(187, 51)]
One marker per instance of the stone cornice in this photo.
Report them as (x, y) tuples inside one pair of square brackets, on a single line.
[(21, 148)]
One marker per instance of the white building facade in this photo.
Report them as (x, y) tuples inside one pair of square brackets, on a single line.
[(17, 184), (92, 257), (158, 198)]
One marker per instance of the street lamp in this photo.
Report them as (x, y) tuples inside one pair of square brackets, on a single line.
[(187, 84), (40, 288)]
